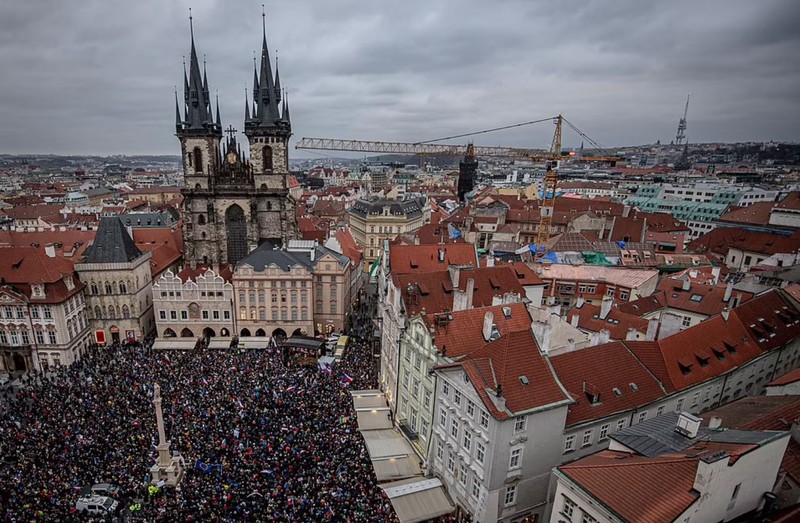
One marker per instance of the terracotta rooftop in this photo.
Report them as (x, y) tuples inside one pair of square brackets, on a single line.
[(426, 258), (637, 488), (620, 383), (644, 305), (721, 239), (433, 291), (464, 332), (509, 362), (756, 214), (617, 323), (699, 298)]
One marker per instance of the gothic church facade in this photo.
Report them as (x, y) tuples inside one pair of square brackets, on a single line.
[(234, 200)]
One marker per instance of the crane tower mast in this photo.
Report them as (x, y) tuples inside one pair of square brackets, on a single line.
[(681, 136)]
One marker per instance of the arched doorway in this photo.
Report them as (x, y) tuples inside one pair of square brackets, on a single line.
[(187, 333), (169, 333), (224, 332), (208, 332), (114, 330), (279, 333), (236, 226), (261, 332), (245, 332), (298, 332)]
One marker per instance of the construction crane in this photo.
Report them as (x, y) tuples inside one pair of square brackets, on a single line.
[(553, 158), (682, 124)]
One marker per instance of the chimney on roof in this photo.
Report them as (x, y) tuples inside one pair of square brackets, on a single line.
[(488, 325), (580, 301), (455, 272), (652, 329), (441, 254), (631, 335), (574, 321), (725, 313), (570, 345), (715, 422), (737, 300), (626, 211), (50, 250), (490, 261), (416, 240), (728, 292), (605, 307), (715, 274), (470, 292), (687, 284)]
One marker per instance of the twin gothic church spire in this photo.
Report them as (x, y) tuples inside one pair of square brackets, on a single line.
[(270, 107)]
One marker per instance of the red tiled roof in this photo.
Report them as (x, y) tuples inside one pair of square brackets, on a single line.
[(637, 488), (433, 291), (70, 243), (710, 297), (756, 214), (721, 239), (789, 377), (225, 271), (630, 229), (164, 244), (644, 305), (464, 333), (583, 377), (349, 246), (433, 233), (617, 323), (29, 212), (20, 267), (504, 362), (425, 258), (791, 201), (697, 354), (769, 319)]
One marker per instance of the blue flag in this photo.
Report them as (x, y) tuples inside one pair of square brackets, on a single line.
[(453, 232), (208, 468)]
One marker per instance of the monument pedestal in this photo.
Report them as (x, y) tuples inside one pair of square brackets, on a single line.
[(167, 468)]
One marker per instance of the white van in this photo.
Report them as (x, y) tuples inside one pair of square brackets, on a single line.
[(96, 505)]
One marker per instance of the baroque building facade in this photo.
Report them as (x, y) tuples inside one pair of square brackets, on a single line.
[(233, 203)]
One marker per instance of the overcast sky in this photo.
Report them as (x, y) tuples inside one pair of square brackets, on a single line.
[(97, 76)]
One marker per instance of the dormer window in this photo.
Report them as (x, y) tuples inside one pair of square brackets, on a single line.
[(69, 283), (37, 290)]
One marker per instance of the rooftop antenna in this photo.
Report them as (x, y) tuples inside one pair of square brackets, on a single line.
[(191, 25), (681, 136)]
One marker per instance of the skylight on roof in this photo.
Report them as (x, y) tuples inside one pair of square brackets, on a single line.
[(617, 392), (696, 297)]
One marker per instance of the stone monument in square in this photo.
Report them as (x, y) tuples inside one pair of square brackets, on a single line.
[(167, 468)]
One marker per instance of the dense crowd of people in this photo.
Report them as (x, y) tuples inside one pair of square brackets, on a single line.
[(262, 439)]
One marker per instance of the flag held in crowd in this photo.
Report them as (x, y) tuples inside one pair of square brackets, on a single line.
[(208, 468)]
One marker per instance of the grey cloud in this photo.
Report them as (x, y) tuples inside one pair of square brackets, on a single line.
[(98, 76)]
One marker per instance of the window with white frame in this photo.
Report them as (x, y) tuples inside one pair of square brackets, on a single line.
[(679, 406), (587, 438), (184, 315), (162, 315), (445, 388), (586, 518), (451, 461), (520, 423), (457, 397), (568, 509), (454, 428), (415, 389), (470, 408), (660, 410), (439, 449), (467, 440), (621, 424), (569, 443), (603, 433), (642, 417), (515, 460), (480, 452), (443, 417), (476, 487), (463, 474), (427, 398), (511, 495), (484, 419), (423, 429), (687, 321)]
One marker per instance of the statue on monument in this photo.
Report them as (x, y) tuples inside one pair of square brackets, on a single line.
[(168, 469)]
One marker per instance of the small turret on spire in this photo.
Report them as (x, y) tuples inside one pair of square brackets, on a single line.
[(219, 120), (285, 113), (178, 120), (199, 116), (277, 80), (246, 106)]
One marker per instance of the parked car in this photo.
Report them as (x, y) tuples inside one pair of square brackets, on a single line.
[(105, 489), (99, 505)]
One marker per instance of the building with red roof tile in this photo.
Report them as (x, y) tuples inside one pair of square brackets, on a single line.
[(620, 325), (779, 413), (43, 321), (696, 474), (404, 259), (503, 392)]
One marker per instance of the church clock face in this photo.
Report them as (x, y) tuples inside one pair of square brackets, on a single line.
[(231, 158)]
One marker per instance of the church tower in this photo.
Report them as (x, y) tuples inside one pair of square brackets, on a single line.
[(232, 204)]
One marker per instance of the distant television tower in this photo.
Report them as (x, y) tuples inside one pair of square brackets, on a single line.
[(681, 136)]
